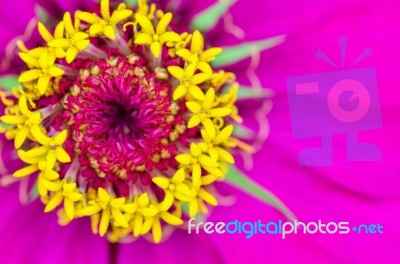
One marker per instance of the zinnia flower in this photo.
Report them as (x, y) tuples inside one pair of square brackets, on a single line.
[(358, 192), (123, 118)]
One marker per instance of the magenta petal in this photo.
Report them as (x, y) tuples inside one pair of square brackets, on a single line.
[(28, 235), (179, 248), (357, 192), (57, 7), (8, 10), (202, 248)]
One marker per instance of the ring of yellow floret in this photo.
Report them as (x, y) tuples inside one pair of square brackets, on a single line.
[(141, 214)]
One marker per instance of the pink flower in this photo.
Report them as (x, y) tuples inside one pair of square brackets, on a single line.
[(126, 127)]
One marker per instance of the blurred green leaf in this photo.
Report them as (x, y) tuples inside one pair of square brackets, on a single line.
[(41, 14), (131, 3), (239, 180), (209, 17), (243, 132), (233, 54), (246, 92), (8, 82), (34, 193)]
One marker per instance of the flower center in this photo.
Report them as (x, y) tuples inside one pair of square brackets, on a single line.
[(122, 117)]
